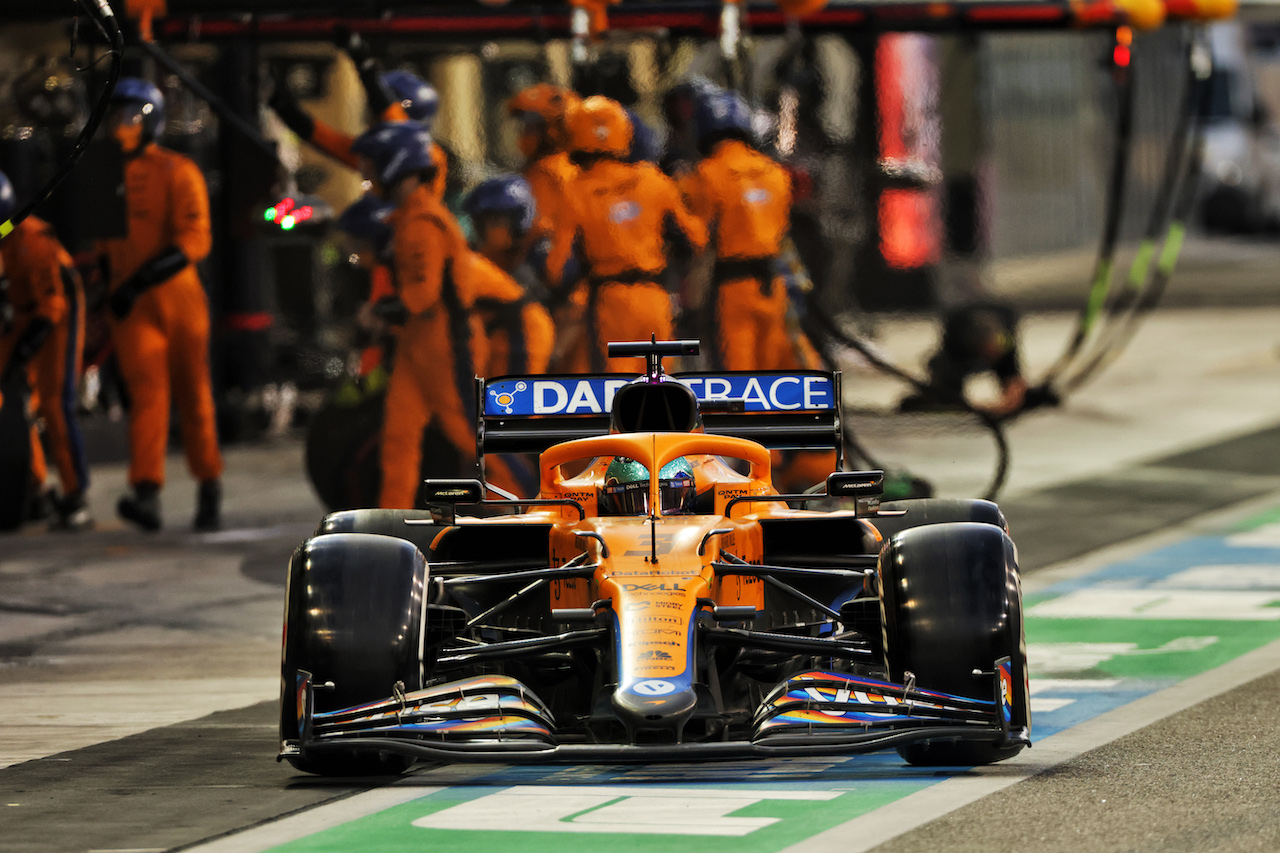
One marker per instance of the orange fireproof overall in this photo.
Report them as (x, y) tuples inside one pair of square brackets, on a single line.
[(163, 343), (437, 351), (44, 283), (618, 215), (519, 331), (519, 336), (745, 199), (549, 179)]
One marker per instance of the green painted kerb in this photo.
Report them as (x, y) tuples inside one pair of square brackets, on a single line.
[(393, 830)]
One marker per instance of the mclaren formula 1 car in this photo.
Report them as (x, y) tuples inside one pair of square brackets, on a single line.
[(658, 599)]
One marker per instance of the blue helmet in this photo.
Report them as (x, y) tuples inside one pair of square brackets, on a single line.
[(722, 114), (8, 201), (367, 220), (417, 96), (504, 194), (645, 145), (397, 149), (135, 90)]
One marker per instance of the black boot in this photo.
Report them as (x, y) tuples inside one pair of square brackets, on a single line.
[(208, 506), (73, 513), (142, 507), (40, 504)]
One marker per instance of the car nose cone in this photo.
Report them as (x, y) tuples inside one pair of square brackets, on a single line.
[(655, 704)]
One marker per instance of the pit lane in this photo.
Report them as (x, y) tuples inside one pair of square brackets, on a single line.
[(102, 614)]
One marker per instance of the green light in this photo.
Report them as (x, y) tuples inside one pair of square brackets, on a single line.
[(287, 223), (270, 215)]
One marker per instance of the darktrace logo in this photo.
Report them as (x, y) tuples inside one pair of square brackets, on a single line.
[(506, 400)]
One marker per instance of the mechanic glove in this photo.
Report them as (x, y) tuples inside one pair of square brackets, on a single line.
[(376, 92), (390, 310), (37, 331), (158, 270), (290, 112), (6, 307)]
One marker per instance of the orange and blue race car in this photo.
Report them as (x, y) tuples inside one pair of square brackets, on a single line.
[(658, 599)]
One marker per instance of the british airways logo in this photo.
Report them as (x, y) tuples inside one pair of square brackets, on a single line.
[(593, 395)]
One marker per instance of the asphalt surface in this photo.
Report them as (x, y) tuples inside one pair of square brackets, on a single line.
[(1205, 779), (1201, 780), (133, 669)]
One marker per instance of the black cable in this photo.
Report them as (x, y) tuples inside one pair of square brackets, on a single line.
[(1174, 204), (827, 328), (219, 106), (100, 13), (1100, 283)]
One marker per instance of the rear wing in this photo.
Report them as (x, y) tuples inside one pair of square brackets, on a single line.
[(782, 410)]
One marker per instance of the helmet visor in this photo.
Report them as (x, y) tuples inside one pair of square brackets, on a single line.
[(127, 114), (677, 495), (625, 498)]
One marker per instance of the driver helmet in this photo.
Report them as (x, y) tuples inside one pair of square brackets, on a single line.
[(626, 487)]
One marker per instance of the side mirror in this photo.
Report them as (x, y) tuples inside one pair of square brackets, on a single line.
[(441, 496), (855, 484)]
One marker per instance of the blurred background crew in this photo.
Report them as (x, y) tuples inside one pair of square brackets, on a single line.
[(679, 110), (542, 141), (744, 197), (502, 283), (978, 338), (518, 328), (441, 341), (367, 228), (42, 334), (159, 308), (622, 216), (392, 96)]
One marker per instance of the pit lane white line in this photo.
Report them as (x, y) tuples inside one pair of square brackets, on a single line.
[(915, 810), (345, 810)]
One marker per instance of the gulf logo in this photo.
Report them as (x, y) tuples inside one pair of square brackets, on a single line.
[(1006, 689)]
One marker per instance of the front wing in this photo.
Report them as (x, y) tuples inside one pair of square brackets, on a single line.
[(498, 719)]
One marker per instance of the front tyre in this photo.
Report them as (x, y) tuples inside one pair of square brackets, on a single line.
[(353, 617), (951, 603)]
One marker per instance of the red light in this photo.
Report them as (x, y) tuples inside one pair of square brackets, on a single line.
[(1121, 56), (287, 214)]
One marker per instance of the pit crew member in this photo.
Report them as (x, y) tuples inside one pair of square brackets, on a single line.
[(160, 314)]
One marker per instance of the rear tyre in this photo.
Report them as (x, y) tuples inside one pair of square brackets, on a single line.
[(343, 447), (951, 604), (918, 513), (353, 617)]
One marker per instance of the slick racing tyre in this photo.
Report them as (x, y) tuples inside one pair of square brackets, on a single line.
[(15, 455), (918, 513), (354, 618), (951, 607), (383, 522), (342, 451)]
